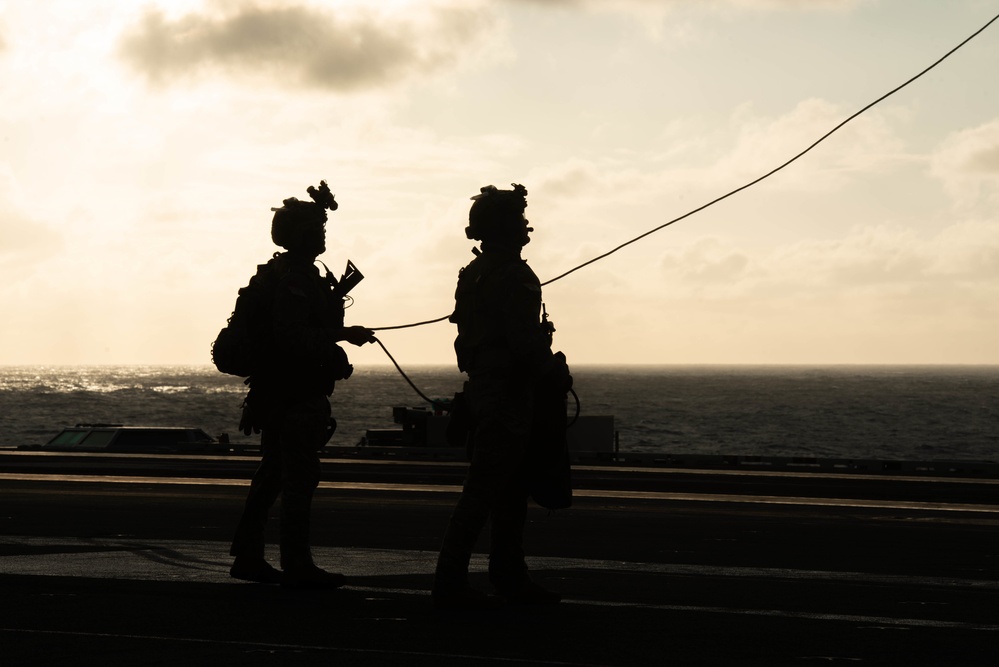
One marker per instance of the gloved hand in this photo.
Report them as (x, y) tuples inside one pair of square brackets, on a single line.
[(358, 335), (246, 420)]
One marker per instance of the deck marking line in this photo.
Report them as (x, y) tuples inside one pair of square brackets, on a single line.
[(657, 470), (579, 493), (214, 554), (777, 613), (789, 473)]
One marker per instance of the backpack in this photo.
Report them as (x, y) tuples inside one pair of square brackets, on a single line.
[(244, 345)]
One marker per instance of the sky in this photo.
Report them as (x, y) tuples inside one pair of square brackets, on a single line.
[(143, 144)]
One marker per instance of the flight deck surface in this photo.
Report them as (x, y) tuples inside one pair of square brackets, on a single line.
[(128, 563)]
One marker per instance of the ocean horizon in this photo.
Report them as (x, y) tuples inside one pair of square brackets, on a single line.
[(858, 411)]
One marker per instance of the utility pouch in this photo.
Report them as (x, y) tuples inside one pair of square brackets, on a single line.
[(459, 426), (341, 368), (548, 467), (330, 430)]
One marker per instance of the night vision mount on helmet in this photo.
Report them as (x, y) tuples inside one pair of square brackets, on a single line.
[(295, 212), (323, 196)]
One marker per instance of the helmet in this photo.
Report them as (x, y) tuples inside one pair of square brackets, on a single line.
[(294, 215), (497, 214)]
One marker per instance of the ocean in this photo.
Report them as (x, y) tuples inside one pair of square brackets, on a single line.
[(859, 412)]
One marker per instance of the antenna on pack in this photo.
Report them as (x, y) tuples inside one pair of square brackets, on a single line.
[(348, 281)]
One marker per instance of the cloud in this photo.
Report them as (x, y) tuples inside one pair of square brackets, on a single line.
[(960, 255), (884, 264), (589, 206), (969, 252), (885, 294), (307, 47), (23, 242), (638, 5), (23, 239), (611, 201), (570, 179), (789, 5), (697, 162), (708, 261), (967, 163), (678, 22), (866, 144), (986, 161), (867, 257)]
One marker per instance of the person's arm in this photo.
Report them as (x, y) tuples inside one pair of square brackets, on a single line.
[(528, 343), (356, 335), (298, 339)]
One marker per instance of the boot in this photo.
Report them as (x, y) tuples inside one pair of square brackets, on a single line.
[(311, 577), (528, 592), (254, 569), (451, 590)]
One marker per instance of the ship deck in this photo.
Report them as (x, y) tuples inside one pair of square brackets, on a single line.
[(124, 558)]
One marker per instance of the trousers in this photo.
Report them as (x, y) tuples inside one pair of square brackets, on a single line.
[(494, 489), (289, 468)]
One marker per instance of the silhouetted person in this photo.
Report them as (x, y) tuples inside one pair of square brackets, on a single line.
[(505, 349), (288, 399)]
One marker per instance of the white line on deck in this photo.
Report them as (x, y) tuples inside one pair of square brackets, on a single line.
[(579, 493)]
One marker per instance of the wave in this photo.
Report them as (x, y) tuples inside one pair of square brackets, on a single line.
[(891, 412)]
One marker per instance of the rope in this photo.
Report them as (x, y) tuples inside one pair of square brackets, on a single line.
[(575, 416), (776, 169), (403, 373), (747, 185), (696, 210), (433, 402), (414, 324)]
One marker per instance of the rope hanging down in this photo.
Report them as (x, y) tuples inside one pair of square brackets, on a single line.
[(403, 373), (436, 403), (739, 189)]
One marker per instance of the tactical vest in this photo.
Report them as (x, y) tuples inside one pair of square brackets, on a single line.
[(497, 311)]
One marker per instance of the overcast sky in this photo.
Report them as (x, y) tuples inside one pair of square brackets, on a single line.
[(144, 143)]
